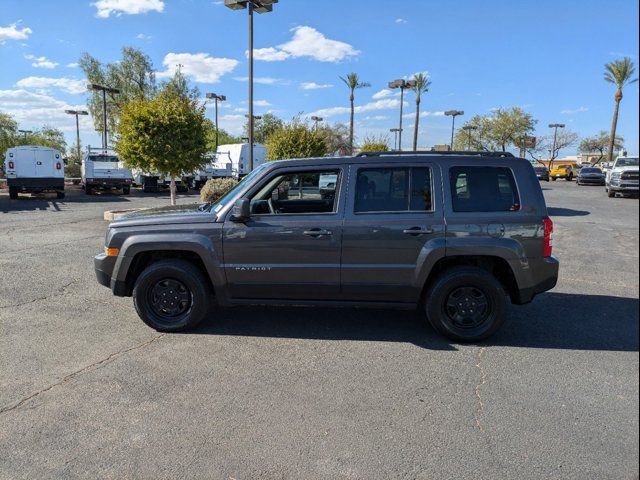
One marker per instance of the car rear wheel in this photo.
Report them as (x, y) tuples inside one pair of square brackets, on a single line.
[(126, 190), (172, 295), (13, 193), (59, 195), (466, 304)]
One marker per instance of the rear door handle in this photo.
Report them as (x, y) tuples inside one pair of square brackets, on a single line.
[(317, 232), (418, 231)]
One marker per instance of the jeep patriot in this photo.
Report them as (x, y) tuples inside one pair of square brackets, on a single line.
[(453, 233)]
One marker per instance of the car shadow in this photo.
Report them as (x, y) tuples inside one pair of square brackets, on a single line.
[(566, 212), (553, 320)]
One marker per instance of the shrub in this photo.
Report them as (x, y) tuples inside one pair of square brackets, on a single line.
[(216, 188), (295, 140), (375, 144)]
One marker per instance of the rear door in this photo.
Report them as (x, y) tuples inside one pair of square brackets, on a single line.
[(45, 163), (392, 219)]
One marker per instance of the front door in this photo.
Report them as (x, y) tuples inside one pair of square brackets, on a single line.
[(393, 221), (290, 247)]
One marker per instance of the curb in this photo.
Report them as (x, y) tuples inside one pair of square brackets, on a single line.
[(111, 215)]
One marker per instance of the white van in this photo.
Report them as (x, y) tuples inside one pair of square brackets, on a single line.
[(238, 155), (34, 169), (102, 170), (214, 168)]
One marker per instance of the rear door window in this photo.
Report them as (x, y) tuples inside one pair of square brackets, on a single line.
[(393, 189), (483, 189)]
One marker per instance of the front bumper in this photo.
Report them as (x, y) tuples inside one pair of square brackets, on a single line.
[(103, 266), (623, 187), (591, 181), (546, 273)]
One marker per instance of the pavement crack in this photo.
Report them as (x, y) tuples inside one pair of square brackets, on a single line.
[(82, 371), (62, 291), (480, 406)]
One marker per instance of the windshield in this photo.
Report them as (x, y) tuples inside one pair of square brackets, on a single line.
[(103, 158), (231, 193), (627, 162), (591, 170)]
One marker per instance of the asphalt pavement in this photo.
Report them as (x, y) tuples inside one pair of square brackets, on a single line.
[(88, 391)]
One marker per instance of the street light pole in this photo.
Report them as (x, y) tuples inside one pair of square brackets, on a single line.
[(453, 114), (469, 129), (104, 90), (402, 85), (316, 120), (77, 113), (555, 126), (395, 137), (260, 6), (25, 132), (216, 97)]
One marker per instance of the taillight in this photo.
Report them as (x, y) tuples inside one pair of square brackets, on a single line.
[(58, 166), (11, 165), (547, 249)]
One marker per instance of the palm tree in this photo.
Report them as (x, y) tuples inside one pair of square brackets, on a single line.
[(422, 86), (619, 73), (353, 82)]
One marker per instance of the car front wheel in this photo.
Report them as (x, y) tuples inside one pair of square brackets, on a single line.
[(172, 295), (466, 304)]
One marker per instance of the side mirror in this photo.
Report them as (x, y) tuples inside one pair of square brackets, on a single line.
[(241, 211)]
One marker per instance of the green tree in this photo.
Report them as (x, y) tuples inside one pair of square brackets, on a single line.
[(133, 75), (618, 72), (501, 130), (225, 138), (353, 82), (566, 138), (336, 138), (375, 144), (422, 86), (167, 134), (598, 145), (295, 140), (8, 132), (264, 127)]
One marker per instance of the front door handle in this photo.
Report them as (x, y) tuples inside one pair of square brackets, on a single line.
[(317, 232), (418, 231)]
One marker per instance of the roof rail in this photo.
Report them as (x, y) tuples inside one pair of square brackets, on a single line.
[(464, 153)]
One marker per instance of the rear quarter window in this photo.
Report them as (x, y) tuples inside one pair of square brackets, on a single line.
[(483, 189)]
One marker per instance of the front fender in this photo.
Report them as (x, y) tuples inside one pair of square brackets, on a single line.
[(201, 245)]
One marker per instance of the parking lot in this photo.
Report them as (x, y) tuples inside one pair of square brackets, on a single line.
[(87, 390)]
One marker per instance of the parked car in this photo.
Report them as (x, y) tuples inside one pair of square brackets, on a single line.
[(623, 176), (562, 170), (34, 169), (455, 234), (102, 169), (590, 176), (542, 172)]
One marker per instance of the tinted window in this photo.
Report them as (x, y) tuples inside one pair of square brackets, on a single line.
[(297, 192), (483, 189), (399, 189), (591, 170)]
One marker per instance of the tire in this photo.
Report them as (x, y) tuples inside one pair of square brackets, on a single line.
[(554, 179), (570, 178), (126, 190), (172, 277), (611, 193), (88, 190), (59, 195), (13, 193), (182, 188), (480, 286)]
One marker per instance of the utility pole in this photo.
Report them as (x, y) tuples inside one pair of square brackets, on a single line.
[(77, 113), (402, 84), (216, 98)]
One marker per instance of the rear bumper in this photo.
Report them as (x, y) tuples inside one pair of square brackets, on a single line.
[(37, 184), (108, 182), (546, 274), (103, 266)]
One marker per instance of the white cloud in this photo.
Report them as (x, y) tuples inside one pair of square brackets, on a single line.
[(401, 20), (377, 117), (105, 8), (12, 32), (142, 36), (73, 65), (385, 93), (200, 66), (384, 104), (260, 80), (307, 42), (41, 62), (423, 114), (69, 85), (314, 85), (25, 98), (261, 103), (575, 110)]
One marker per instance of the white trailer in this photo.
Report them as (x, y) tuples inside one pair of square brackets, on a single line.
[(238, 155), (101, 169), (153, 182), (216, 167), (34, 169)]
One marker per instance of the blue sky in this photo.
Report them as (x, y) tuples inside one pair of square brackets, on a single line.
[(545, 56)]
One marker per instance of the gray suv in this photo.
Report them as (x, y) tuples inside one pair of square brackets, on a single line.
[(453, 233)]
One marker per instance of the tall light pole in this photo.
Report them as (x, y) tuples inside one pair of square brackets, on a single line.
[(402, 84), (101, 88), (260, 6), (469, 129), (77, 113), (453, 114), (395, 132), (216, 98), (316, 120), (25, 133), (555, 127)]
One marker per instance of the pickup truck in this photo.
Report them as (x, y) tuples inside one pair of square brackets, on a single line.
[(622, 178)]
